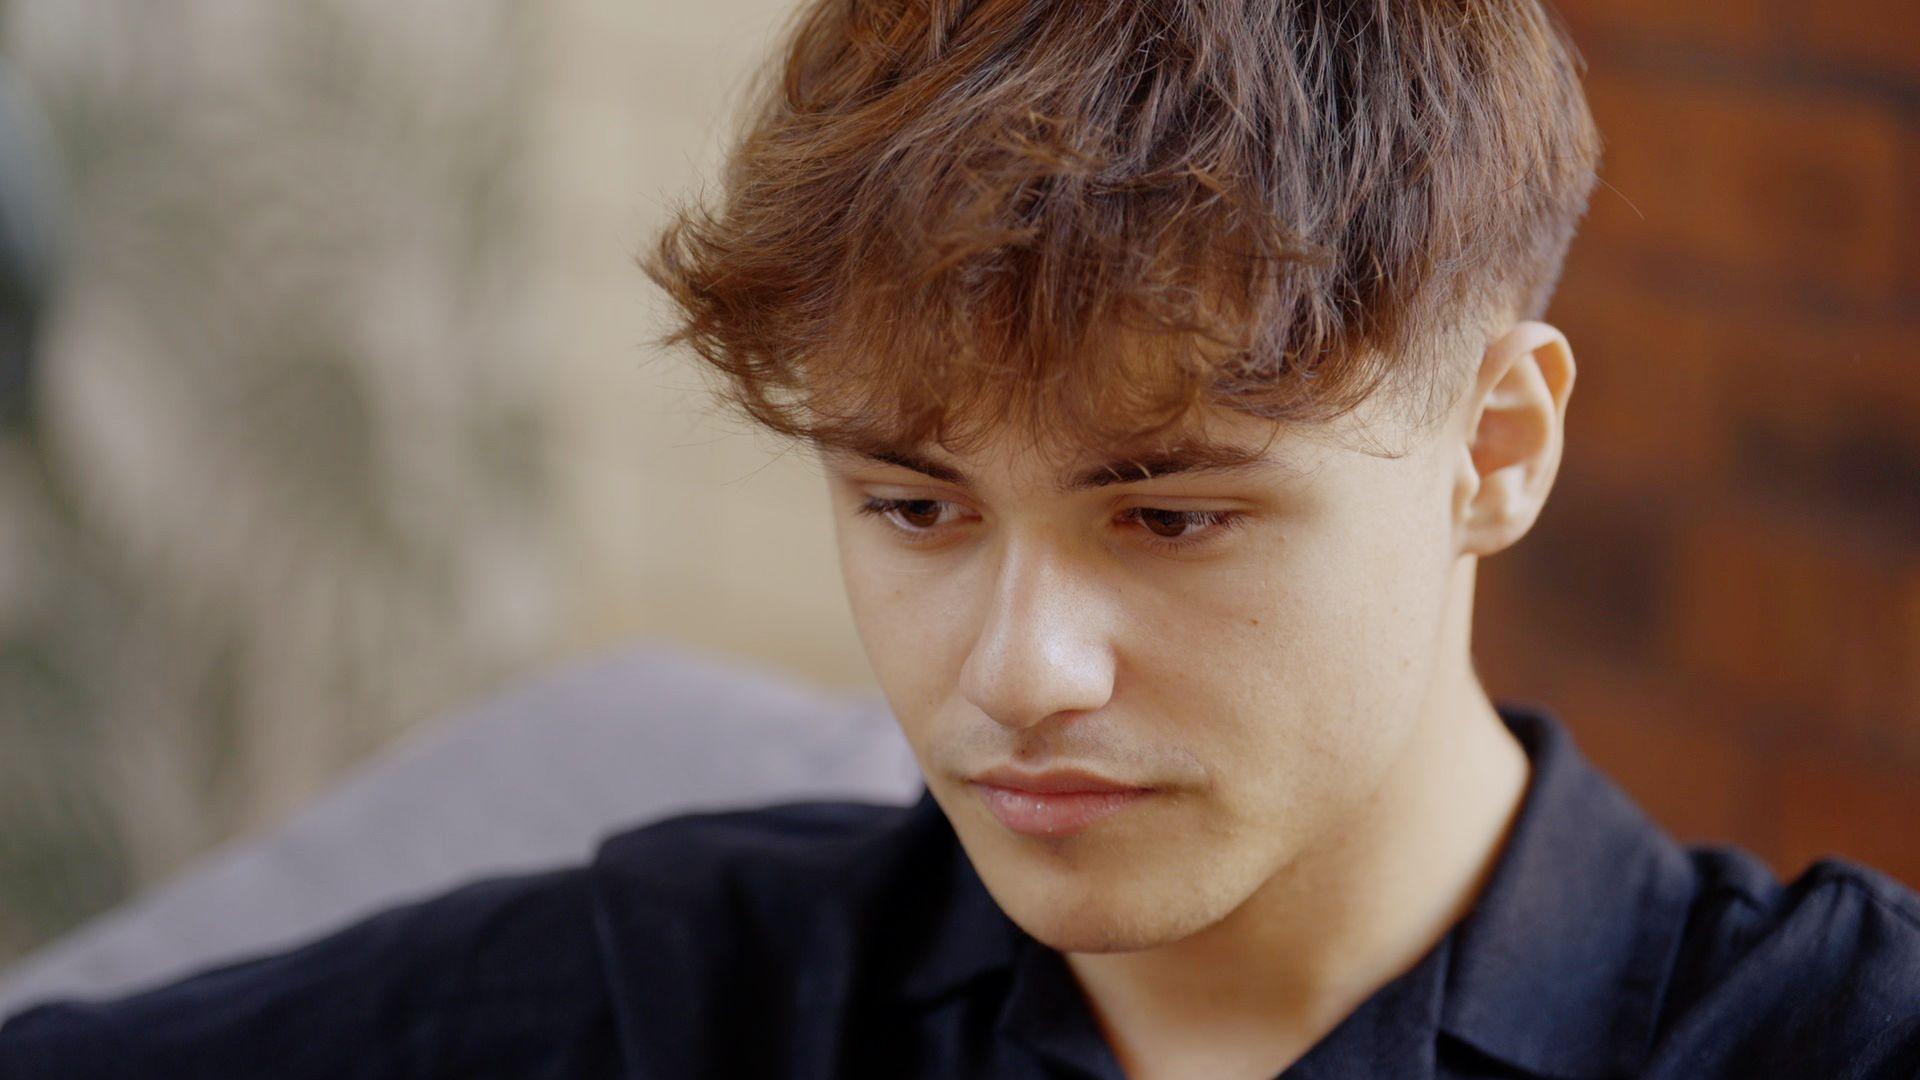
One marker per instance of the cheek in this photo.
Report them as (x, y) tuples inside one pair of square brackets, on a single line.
[(910, 623), (1298, 675)]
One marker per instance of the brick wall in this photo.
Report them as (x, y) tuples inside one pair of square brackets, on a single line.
[(1723, 597)]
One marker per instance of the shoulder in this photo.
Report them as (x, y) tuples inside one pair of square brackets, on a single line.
[(761, 874), (801, 839), (734, 938), (1815, 976), (464, 983), (534, 973)]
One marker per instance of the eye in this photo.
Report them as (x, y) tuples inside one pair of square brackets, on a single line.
[(915, 519), (918, 520), (1182, 529)]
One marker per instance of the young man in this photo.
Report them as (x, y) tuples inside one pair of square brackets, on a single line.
[(1172, 364)]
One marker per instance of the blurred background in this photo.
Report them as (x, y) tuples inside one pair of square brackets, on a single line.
[(326, 408), (1723, 595)]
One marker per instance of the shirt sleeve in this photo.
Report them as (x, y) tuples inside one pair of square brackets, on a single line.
[(496, 978)]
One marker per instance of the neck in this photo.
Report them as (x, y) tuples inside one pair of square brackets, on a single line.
[(1342, 919)]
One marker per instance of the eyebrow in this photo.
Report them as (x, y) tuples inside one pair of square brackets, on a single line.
[(1208, 459)]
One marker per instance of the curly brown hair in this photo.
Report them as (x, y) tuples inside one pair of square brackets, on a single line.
[(1085, 218)]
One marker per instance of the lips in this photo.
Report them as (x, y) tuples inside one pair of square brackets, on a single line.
[(1054, 803)]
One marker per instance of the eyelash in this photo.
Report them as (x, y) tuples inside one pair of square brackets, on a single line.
[(1216, 522)]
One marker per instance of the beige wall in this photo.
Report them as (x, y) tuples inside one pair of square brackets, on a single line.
[(345, 415), (672, 521)]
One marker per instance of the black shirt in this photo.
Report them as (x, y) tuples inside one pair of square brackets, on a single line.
[(842, 939)]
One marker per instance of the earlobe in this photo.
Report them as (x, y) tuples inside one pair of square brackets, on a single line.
[(1514, 436)]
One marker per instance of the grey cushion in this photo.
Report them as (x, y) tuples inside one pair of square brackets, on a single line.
[(528, 780)]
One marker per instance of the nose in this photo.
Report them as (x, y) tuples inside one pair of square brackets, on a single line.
[(1043, 647)]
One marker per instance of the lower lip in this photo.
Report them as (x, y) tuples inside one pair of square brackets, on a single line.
[(1054, 814)]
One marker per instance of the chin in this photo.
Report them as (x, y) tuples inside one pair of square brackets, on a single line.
[(1079, 912)]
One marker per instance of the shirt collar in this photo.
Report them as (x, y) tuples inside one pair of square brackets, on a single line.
[(1561, 965), (1558, 969)]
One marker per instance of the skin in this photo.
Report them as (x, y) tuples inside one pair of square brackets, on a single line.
[(1332, 782)]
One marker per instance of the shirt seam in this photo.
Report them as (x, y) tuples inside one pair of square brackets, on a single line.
[(1872, 890)]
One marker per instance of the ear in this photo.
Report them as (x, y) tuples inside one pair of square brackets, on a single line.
[(1516, 416)]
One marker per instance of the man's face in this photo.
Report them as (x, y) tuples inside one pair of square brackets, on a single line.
[(1253, 645)]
